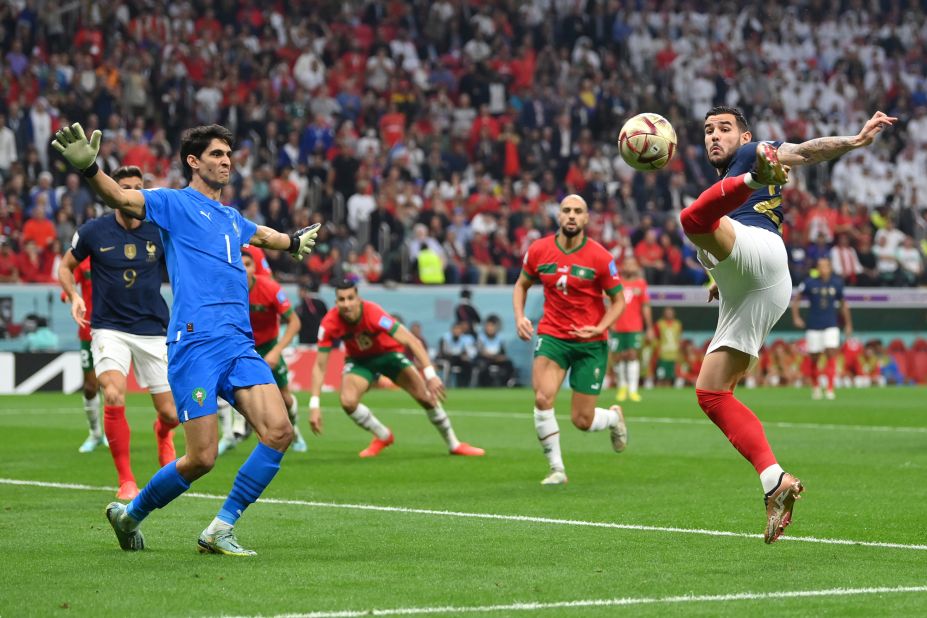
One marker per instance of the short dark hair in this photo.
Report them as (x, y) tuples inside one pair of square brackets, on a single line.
[(738, 115), (196, 140), (344, 284), (127, 171)]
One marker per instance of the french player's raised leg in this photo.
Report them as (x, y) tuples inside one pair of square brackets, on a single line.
[(546, 378), (263, 407), (411, 381), (353, 387)]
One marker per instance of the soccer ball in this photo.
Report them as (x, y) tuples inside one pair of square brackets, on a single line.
[(647, 142)]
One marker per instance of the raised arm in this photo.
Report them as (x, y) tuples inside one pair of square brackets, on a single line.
[(299, 244), (827, 148), (81, 153)]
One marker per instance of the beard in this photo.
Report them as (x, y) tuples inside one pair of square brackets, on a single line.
[(571, 233)]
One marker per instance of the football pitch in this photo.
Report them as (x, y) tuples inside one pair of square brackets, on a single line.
[(672, 525)]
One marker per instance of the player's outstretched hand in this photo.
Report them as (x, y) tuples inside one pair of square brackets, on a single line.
[(302, 242), (73, 144), (525, 329), (437, 387), (585, 332), (873, 127), (315, 420), (79, 311), (713, 292)]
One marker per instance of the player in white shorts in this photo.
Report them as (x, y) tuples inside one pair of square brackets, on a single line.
[(735, 224), (824, 292), (128, 323)]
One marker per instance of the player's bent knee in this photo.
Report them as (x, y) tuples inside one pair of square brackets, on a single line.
[(279, 436), (693, 223), (581, 421)]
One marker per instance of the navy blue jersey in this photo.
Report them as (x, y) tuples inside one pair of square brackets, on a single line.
[(823, 297), (127, 273), (202, 243), (764, 207)]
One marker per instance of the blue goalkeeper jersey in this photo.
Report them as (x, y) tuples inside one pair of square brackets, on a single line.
[(202, 245), (764, 206)]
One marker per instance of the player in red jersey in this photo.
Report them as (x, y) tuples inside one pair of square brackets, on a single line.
[(268, 304), (626, 337), (375, 342), (91, 388), (575, 271), (735, 225)]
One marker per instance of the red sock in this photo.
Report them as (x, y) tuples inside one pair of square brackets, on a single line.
[(118, 433), (739, 424), (702, 215), (830, 370), (815, 373), (162, 429)]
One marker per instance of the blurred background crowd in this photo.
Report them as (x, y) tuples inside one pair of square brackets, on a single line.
[(435, 138)]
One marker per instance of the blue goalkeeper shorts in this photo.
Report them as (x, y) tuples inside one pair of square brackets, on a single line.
[(199, 369)]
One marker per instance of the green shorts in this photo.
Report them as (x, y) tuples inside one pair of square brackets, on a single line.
[(86, 357), (370, 368), (281, 371), (620, 342), (586, 361), (666, 370)]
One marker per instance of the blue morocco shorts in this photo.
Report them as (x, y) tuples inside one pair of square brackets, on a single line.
[(201, 369)]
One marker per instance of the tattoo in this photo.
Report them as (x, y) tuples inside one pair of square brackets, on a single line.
[(815, 150)]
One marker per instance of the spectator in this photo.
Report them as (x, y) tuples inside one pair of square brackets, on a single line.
[(81, 198), (33, 265), (482, 260), (845, 260), (9, 262), (310, 311), (360, 206), (886, 260), (44, 193), (494, 368), (650, 256), (465, 313), (910, 261), (669, 338), (8, 153), (370, 264), (458, 352), (38, 228)]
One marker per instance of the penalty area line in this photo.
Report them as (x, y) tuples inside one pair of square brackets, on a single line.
[(495, 517), (626, 601)]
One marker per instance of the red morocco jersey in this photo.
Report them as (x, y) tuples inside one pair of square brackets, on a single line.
[(267, 303), (573, 284), (632, 318), (82, 277), (371, 335)]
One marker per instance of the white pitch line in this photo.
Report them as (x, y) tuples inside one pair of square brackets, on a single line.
[(626, 601), (495, 516), (653, 420)]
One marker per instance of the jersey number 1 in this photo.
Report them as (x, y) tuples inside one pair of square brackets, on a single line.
[(562, 284)]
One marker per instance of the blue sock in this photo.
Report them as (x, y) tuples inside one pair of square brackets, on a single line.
[(253, 477), (163, 487)]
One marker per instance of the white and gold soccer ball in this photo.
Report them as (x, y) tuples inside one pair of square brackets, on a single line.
[(647, 142)]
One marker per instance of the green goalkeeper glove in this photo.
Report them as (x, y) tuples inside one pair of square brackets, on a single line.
[(302, 242), (73, 144)]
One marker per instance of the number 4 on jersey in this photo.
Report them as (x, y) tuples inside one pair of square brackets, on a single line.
[(562, 284)]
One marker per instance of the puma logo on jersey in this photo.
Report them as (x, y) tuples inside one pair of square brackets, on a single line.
[(105, 249), (206, 214), (563, 269)]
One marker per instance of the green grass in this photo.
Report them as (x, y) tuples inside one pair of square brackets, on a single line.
[(61, 558)]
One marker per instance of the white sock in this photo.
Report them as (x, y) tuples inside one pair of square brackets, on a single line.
[(545, 423), (442, 423), (770, 477), (365, 418), (604, 419), (92, 409), (634, 375), (216, 525), (621, 368), (224, 412)]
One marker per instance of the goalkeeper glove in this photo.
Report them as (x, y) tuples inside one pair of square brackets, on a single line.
[(302, 242), (73, 144)]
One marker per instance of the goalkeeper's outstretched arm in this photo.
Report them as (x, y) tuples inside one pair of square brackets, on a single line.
[(81, 153)]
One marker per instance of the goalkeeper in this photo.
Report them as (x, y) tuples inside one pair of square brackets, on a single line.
[(210, 347)]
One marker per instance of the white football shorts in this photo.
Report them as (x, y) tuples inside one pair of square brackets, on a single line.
[(114, 350), (755, 289), (816, 341)]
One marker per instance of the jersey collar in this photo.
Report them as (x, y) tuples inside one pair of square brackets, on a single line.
[(575, 249)]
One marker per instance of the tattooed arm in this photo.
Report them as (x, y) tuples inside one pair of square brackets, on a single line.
[(827, 148)]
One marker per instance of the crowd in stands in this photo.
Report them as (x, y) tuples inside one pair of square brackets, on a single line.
[(435, 137)]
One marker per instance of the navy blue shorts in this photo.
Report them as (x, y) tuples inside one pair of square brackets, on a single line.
[(199, 370)]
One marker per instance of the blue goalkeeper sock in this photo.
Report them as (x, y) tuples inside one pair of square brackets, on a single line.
[(164, 486), (253, 477)]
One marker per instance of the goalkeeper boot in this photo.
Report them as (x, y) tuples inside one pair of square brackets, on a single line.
[(377, 445), (556, 477), (127, 533), (619, 432), (222, 542), (779, 504), (92, 442), (767, 169)]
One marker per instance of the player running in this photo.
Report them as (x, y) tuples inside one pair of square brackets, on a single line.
[(268, 304), (626, 337), (575, 271), (824, 294), (91, 386), (128, 322), (210, 347), (374, 343), (735, 224)]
